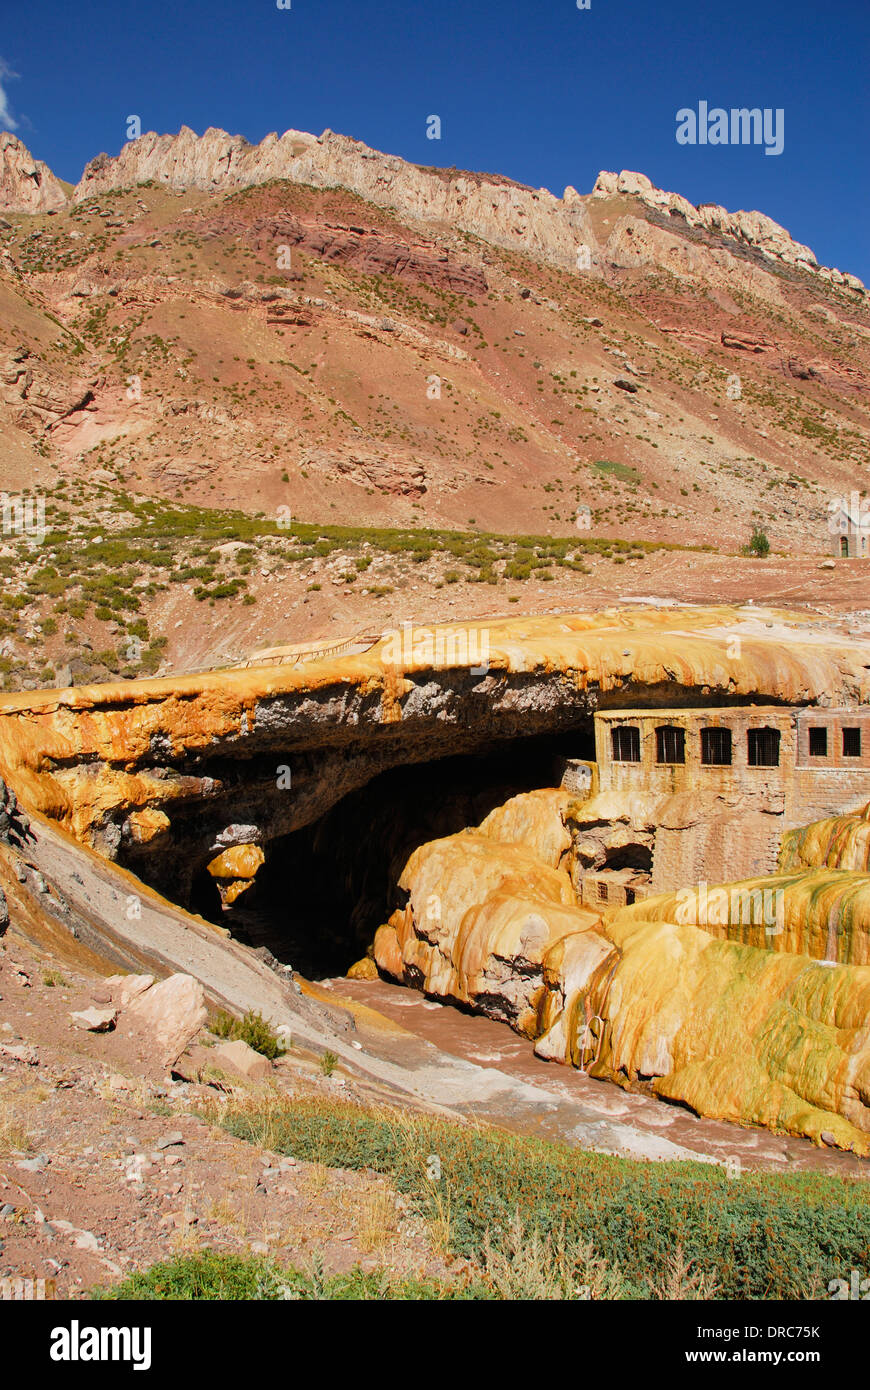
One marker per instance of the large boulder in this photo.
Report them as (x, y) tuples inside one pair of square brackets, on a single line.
[(241, 1059), (123, 989), (170, 1013)]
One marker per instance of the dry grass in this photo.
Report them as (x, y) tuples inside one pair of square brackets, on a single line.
[(15, 1137), (441, 1225), (186, 1237), (526, 1265), (681, 1281), (223, 1212), (134, 1093), (16, 1131), (316, 1179), (377, 1220), (264, 1108)]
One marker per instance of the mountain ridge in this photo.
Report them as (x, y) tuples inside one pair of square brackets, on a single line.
[(496, 208)]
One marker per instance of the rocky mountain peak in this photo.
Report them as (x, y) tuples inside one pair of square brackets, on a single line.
[(26, 184), (753, 228)]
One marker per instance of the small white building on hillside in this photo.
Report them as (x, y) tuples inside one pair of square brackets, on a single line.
[(849, 526)]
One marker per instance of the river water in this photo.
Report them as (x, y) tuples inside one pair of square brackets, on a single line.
[(488, 1043)]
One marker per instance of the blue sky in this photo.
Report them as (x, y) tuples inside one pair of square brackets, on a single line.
[(536, 89)]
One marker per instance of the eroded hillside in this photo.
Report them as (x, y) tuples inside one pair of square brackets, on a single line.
[(305, 347), (225, 369)]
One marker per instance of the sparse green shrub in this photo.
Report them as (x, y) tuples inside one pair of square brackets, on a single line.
[(759, 545), (212, 1275), (622, 471), (253, 1029)]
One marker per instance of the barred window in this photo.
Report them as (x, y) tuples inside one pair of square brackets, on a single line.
[(670, 744), (762, 746), (716, 747), (625, 740), (851, 743)]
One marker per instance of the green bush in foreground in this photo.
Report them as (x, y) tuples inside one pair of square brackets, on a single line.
[(755, 1236), (211, 1275)]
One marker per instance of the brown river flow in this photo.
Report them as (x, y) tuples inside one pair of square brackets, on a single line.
[(488, 1043)]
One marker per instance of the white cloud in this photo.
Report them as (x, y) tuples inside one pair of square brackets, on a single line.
[(7, 121)]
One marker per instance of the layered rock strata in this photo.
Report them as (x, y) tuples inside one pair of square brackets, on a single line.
[(749, 228)]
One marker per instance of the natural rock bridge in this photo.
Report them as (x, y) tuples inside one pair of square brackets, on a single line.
[(164, 775), (328, 774)]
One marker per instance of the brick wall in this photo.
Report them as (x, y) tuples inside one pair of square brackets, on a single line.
[(834, 782), (726, 821), (766, 786)]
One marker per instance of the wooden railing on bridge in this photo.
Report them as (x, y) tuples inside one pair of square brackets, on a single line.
[(293, 654)]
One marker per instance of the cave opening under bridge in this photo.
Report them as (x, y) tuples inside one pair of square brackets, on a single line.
[(324, 889)]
